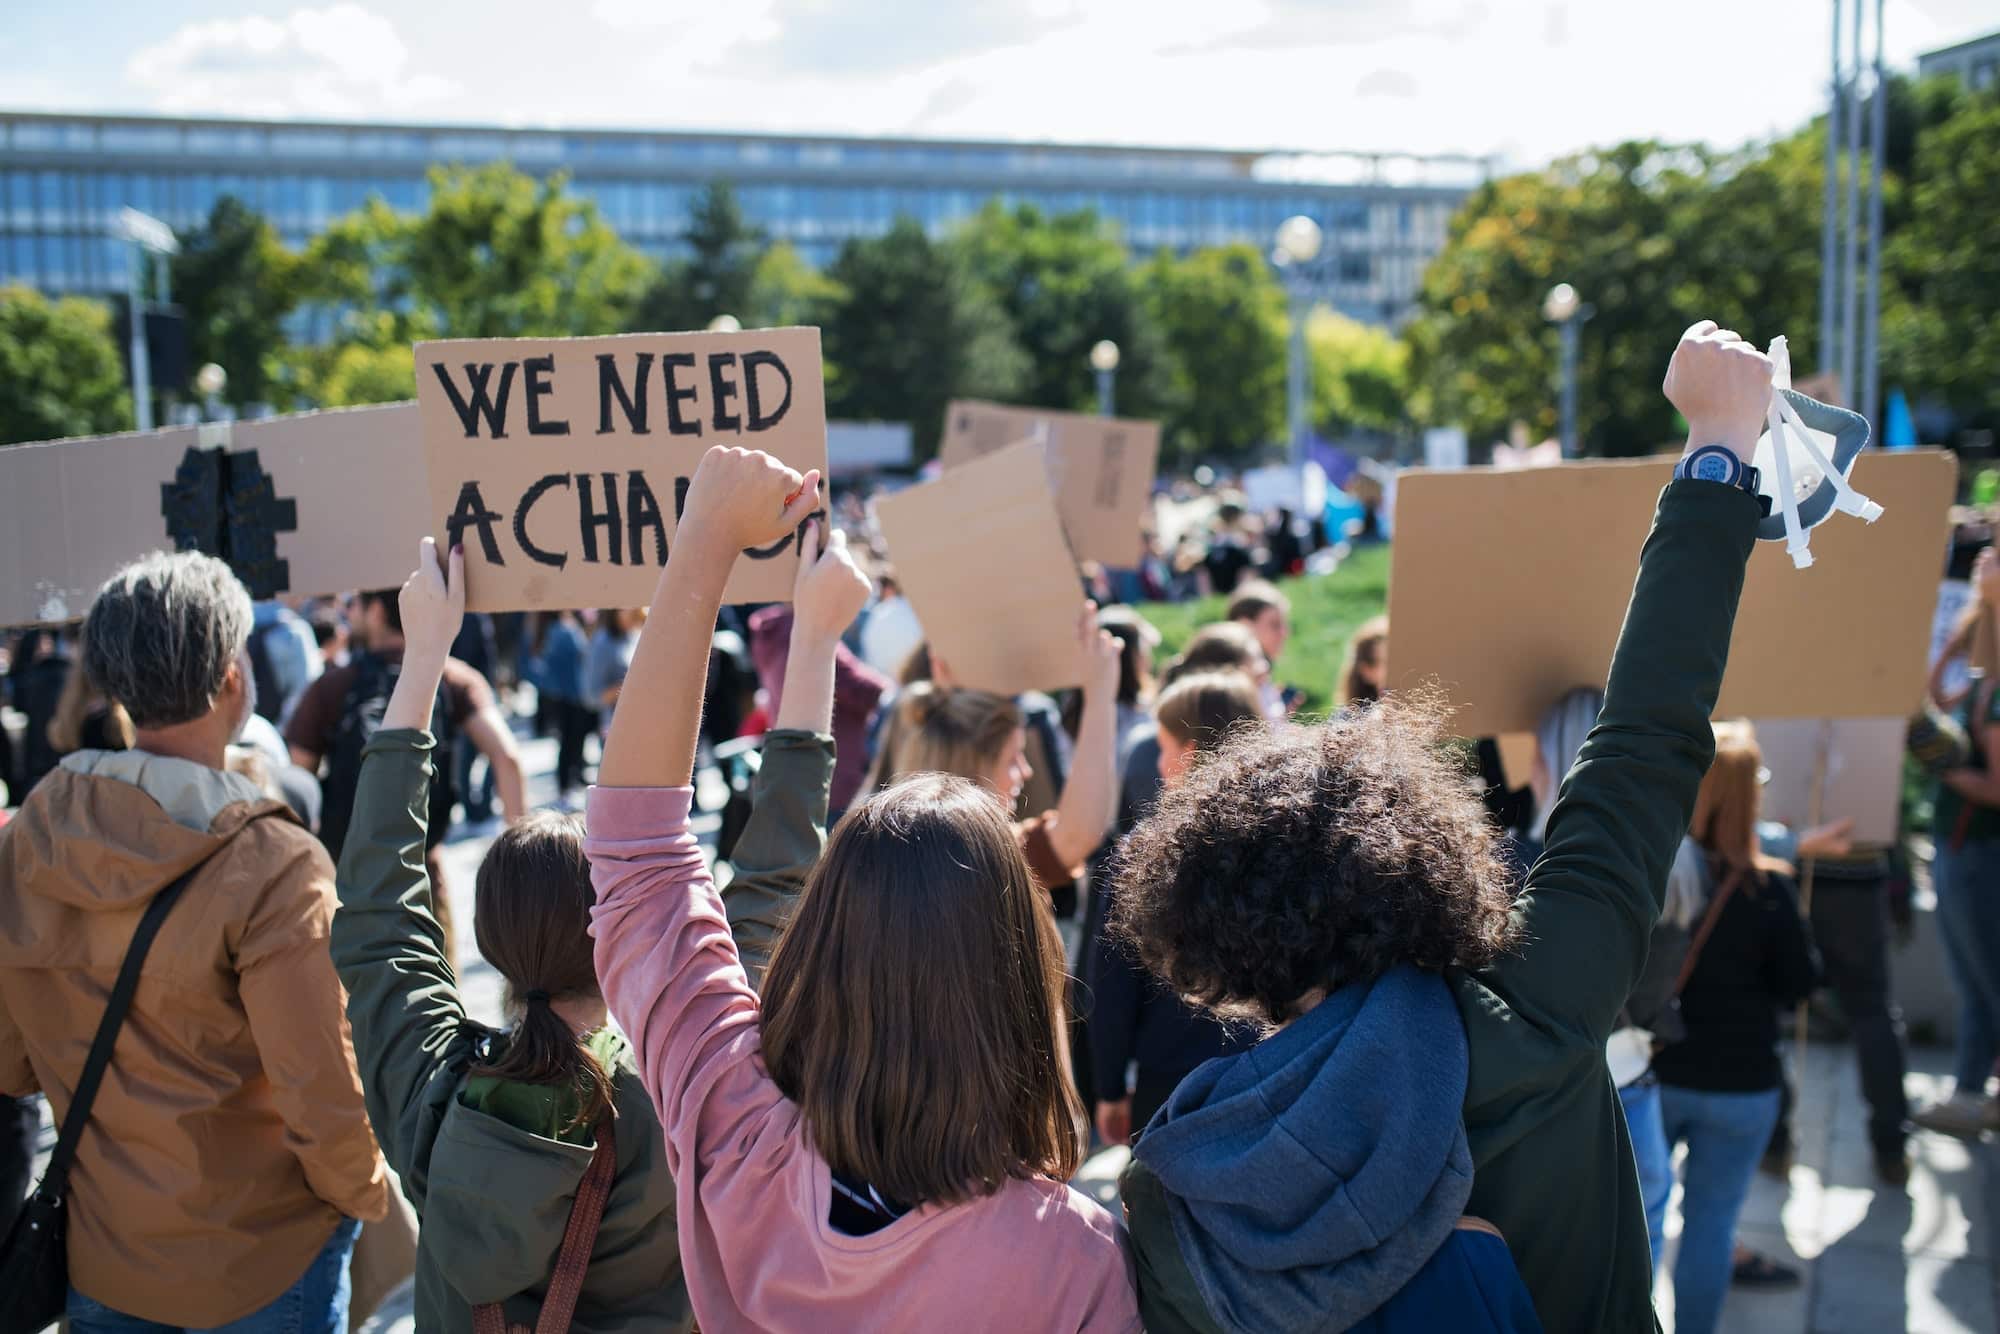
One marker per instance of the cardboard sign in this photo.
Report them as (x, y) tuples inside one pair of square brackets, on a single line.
[(980, 555), (1509, 588), (1864, 773), (1100, 468), (562, 464), (316, 503)]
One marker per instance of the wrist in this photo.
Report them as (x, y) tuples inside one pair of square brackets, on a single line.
[(1740, 442)]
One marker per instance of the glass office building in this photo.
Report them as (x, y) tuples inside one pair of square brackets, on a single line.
[(63, 179)]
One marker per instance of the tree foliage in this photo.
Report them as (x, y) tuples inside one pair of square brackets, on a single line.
[(913, 329), (1065, 281), (1221, 316), (60, 374), (716, 276), (1360, 376), (236, 283)]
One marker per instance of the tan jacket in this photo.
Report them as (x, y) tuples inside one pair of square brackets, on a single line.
[(229, 1133)]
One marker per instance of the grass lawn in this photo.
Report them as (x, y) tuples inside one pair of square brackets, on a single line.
[(1326, 609)]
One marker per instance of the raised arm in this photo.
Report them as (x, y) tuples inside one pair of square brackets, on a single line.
[(668, 968), (402, 997), (787, 825), (1591, 901), (1088, 806)]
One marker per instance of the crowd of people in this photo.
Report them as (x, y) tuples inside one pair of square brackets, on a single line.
[(1394, 1045)]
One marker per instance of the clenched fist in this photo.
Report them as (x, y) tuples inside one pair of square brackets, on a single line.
[(1722, 385)]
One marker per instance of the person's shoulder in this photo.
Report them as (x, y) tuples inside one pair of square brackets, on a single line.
[(1071, 1218)]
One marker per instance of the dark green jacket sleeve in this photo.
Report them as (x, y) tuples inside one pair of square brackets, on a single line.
[(779, 845), (1592, 899), (402, 998)]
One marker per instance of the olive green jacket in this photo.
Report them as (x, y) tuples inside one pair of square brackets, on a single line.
[(1553, 1161), (486, 1168)]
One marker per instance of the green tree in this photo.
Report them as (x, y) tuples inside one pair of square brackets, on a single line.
[(912, 330), (59, 369), (237, 283), (717, 275), (1065, 282), (1654, 237), (785, 290), (1221, 314), (1360, 376), (1943, 338)]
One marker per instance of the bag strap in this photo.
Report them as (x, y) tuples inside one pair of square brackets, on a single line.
[(573, 1260), (56, 1178), (1707, 927)]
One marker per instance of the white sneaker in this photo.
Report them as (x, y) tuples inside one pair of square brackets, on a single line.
[(1966, 1115)]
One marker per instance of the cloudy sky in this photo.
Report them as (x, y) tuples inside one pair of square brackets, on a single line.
[(1526, 79)]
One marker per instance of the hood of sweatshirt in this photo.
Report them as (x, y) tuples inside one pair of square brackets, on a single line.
[(1311, 1177)]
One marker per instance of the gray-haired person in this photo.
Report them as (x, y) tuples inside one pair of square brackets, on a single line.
[(228, 1154)]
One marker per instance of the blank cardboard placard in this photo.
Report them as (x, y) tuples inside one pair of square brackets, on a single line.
[(562, 464), (325, 502), (1864, 773), (1508, 589), (979, 553), (1100, 468)]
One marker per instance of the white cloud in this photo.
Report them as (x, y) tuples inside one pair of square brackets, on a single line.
[(343, 60)]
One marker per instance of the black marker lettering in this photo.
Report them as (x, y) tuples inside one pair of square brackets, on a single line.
[(642, 511), (633, 404), (539, 371), (528, 499), (753, 399), (493, 408), (721, 390), (472, 511), (676, 395), (592, 520)]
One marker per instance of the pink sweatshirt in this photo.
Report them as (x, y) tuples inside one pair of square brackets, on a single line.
[(752, 1192)]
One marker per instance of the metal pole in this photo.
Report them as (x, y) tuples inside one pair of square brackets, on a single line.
[(142, 371), (1850, 265), (1829, 350), (1878, 129), (1104, 394), (1295, 387), (1570, 335)]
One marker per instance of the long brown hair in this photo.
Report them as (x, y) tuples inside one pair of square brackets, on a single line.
[(1727, 806), (531, 915), (914, 1007), (1203, 708), (79, 699)]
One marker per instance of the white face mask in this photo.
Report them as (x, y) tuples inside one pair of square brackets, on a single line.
[(1803, 459)]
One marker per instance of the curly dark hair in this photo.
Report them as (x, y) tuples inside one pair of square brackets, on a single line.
[(1302, 859)]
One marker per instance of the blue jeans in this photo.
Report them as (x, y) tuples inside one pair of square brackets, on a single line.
[(1968, 907), (316, 1304), (1653, 1156), (1725, 1134)]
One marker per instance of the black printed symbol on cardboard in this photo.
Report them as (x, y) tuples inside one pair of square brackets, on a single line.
[(226, 505)]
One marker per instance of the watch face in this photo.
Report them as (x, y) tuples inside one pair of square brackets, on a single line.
[(1714, 466)]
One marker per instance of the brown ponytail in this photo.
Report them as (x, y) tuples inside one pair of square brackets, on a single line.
[(531, 915)]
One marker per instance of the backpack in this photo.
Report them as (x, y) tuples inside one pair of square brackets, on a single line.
[(360, 716), (271, 691)]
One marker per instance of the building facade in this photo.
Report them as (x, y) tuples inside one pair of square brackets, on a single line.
[(64, 178), (1976, 63)]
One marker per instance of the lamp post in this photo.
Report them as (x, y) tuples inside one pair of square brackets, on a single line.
[(210, 381), (725, 324), (1562, 309), (1104, 360), (1298, 245), (145, 233)]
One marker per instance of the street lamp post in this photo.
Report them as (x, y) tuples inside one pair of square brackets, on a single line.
[(1104, 360), (725, 324), (209, 382), (1298, 245), (1562, 309)]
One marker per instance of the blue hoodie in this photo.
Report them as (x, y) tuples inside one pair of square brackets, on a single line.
[(1313, 1177)]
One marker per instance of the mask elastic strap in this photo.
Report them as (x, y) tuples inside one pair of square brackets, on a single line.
[(1847, 499), (1788, 497)]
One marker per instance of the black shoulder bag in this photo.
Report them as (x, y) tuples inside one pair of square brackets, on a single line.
[(34, 1259)]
